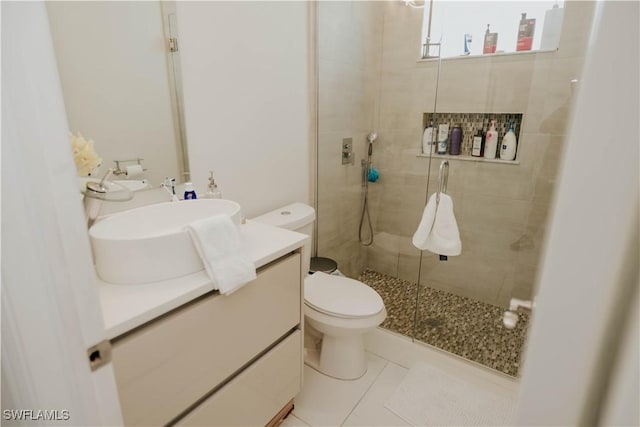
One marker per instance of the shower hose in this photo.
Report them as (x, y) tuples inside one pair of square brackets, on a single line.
[(365, 204)]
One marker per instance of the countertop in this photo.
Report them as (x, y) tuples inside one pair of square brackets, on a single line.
[(125, 307)]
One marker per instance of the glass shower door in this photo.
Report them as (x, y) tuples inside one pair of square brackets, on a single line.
[(501, 203)]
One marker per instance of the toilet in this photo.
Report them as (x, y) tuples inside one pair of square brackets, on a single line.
[(338, 309)]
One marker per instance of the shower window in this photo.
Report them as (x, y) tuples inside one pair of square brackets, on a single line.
[(457, 24)]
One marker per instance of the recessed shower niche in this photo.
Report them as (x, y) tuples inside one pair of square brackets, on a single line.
[(470, 123)]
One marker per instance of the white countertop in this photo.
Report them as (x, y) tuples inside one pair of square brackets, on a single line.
[(125, 307)]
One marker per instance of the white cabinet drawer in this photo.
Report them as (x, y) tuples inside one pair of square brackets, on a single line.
[(255, 396), (164, 367)]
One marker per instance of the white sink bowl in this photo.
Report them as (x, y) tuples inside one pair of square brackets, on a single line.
[(149, 244)]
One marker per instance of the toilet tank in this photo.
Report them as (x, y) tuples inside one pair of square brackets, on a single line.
[(296, 217)]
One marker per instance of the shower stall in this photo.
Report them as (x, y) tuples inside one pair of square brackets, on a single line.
[(373, 77)]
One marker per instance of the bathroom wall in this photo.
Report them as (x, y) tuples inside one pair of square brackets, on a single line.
[(349, 45), (501, 209), (246, 77), (112, 61)]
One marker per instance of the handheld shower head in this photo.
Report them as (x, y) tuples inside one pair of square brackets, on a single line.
[(371, 138)]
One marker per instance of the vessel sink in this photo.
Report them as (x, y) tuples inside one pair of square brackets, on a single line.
[(149, 244)]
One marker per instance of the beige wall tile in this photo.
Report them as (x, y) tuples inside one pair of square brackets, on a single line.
[(408, 266), (381, 260)]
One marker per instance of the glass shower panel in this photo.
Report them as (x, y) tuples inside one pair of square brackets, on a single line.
[(371, 79), (366, 84), (501, 205), (349, 55)]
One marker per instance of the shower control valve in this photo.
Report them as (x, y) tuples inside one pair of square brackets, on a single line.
[(347, 151)]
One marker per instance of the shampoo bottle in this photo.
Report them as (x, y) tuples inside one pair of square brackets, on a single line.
[(525, 33), (428, 139), (508, 146), (443, 138), (490, 42), (491, 142), (477, 148), (456, 140)]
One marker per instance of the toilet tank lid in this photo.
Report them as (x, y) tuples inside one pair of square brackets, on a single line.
[(291, 217)]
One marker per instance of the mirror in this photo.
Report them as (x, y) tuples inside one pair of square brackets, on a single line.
[(120, 82)]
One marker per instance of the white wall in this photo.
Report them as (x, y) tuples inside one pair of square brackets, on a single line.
[(112, 60), (245, 81)]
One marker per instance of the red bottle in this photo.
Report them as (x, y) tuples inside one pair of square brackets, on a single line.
[(525, 33)]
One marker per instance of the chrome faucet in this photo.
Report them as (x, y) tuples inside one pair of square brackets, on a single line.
[(96, 192), (169, 186)]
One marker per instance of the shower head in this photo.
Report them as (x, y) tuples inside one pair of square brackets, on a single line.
[(371, 137)]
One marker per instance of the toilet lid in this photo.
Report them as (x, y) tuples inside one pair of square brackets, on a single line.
[(341, 296)]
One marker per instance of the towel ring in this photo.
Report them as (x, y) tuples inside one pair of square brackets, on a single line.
[(443, 179)]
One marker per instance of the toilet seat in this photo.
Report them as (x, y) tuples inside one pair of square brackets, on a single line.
[(341, 297)]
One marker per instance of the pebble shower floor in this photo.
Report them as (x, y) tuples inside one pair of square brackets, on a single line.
[(459, 325)]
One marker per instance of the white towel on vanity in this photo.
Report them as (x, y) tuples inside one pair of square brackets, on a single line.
[(223, 252), (438, 229)]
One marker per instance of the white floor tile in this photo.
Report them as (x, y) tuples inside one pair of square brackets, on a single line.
[(402, 351), (326, 401), (293, 421), (371, 410)]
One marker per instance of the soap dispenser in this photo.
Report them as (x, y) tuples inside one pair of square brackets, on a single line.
[(508, 146), (491, 142), (212, 188)]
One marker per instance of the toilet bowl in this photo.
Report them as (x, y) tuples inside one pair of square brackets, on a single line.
[(337, 309), (342, 310)]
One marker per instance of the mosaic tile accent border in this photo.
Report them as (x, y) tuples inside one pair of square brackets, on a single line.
[(459, 325), (471, 122)]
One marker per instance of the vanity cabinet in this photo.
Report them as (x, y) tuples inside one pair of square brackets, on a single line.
[(218, 360)]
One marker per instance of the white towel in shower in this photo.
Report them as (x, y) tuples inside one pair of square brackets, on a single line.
[(426, 224), (223, 252), (438, 229)]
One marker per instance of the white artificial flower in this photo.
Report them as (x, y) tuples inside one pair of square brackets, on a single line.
[(84, 155)]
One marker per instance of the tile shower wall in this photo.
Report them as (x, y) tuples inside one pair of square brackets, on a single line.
[(501, 208), (349, 49)]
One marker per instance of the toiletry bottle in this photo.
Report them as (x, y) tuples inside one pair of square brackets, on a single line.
[(552, 28), (525, 33), (491, 142), (456, 140), (467, 43), (490, 42), (477, 149), (212, 188), (428, 139), (189, 192), (443, 135), (509, 144)]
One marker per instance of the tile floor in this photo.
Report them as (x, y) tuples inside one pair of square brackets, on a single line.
[(326, 401), (463, 326)]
